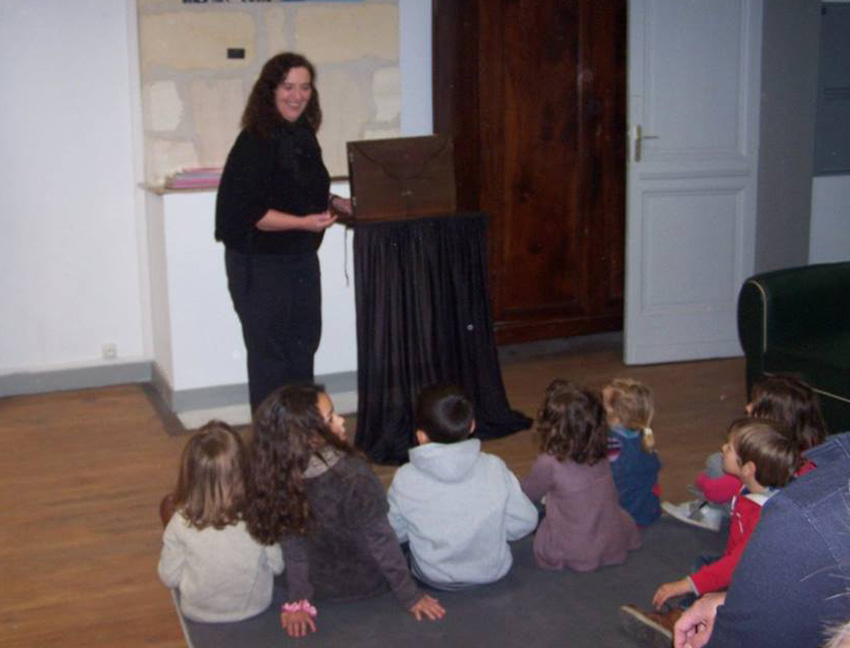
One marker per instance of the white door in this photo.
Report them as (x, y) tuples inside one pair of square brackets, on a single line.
[(694, 89)]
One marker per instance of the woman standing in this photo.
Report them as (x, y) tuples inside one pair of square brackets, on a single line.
[(272, 210)]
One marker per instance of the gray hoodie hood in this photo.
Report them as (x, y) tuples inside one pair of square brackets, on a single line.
[(447, 462)]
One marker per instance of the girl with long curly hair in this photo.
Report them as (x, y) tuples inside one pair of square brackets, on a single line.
[(317, 497), (584, 527)]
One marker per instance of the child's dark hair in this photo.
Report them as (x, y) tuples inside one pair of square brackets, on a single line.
[(794, 404), (444, 413), (632, 403), (213, 471), (769, 446), (571, 424), (288, 431)]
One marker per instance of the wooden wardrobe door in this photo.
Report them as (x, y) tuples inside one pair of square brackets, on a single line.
[(533, 92)]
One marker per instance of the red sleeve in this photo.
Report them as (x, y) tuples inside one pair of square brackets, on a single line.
[(717, 576), (719, 490), (806, 468)]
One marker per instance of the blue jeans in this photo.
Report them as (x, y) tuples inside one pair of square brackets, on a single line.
[(701, 561)]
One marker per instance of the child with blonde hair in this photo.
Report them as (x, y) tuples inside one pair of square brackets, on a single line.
[(220, 572), (584, 527), (634, 461)]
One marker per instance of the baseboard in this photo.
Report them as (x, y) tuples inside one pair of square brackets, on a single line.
[(230, 403), (193, 407), (40, 382)]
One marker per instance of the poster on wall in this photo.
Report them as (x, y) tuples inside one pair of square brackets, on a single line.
[(191, 2)]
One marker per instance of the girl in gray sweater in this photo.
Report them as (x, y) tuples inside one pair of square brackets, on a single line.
[(317, 497), (220, 572)]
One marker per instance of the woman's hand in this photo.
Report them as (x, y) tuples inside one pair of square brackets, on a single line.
[(694, 627), (277, 221), (296, 624), (428, 607), (670, 590), (317, 222)]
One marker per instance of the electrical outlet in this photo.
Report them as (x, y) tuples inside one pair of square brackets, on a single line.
[(109, 351)]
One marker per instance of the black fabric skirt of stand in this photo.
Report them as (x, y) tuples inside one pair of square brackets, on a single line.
[(423, 317)]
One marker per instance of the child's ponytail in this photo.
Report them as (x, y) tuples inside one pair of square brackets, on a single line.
[(647, 440)]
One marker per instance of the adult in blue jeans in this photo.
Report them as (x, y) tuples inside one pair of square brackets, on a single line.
[(272, 209), (793, 581)]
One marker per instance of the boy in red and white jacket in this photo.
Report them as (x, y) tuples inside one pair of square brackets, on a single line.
[(764, 459)]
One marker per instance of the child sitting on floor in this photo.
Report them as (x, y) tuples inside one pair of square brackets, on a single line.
[(314, 494), (784, 399), (631, 448), (584, 526), (219, 570), (457, 506), (764, 459)]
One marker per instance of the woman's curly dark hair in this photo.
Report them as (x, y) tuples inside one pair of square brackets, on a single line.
[(288, 430), (261, 116), (793, 403), (571, 424)]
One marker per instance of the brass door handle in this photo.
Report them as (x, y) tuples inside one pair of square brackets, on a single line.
[(639, 136)]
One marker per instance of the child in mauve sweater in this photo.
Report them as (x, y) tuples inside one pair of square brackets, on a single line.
[(584, 527)]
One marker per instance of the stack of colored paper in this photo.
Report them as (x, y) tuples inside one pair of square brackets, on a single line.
[(200, 178)]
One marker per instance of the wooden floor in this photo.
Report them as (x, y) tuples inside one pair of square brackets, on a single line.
[(81, 474)]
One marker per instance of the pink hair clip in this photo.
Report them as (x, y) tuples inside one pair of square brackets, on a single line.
[(300, 606)]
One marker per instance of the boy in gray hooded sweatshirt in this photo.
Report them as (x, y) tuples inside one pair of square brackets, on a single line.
[(458, 507)]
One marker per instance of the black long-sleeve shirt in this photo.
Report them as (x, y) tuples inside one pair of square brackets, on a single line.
[(283, 172)]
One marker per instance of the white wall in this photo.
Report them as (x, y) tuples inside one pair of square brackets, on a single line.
[(69, 249), (829, 239), (73, 254), (197, 337), (415, 62), (187, 299)]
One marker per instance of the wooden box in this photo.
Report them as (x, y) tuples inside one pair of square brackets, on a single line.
[(408, 177)]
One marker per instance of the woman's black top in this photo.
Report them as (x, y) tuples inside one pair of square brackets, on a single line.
[(283, 172)]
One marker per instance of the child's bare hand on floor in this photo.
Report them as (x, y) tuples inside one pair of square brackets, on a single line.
[(296, 624), (671, 590), (428, 607)]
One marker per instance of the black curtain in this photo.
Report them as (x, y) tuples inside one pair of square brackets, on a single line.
[(423, 317)]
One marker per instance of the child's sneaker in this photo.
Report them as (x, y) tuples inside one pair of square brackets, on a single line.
[(696, 512), (652, 628)]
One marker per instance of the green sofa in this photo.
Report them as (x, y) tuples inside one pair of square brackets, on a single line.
[(797, 321)]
